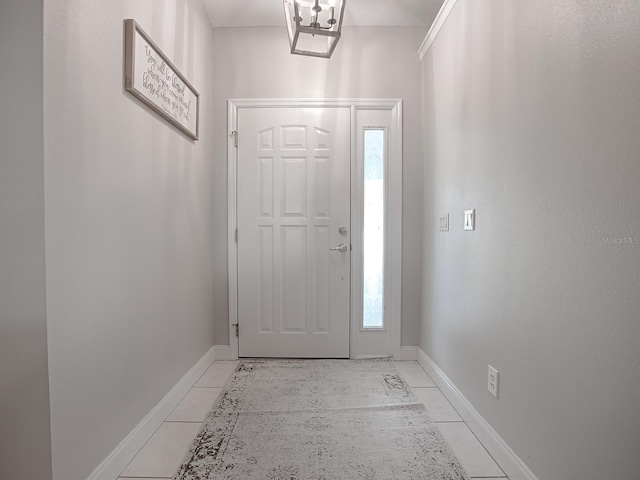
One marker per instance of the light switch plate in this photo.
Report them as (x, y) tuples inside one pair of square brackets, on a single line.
[(444, 222), (493, 381), (470, 219)]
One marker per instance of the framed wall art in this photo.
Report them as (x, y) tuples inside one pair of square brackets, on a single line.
[(151, 77)]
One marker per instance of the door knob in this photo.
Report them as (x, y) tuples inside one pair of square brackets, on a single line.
[(341, 248)]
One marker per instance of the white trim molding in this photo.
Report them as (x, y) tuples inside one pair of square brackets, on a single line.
[(385, 341), (222, 352), (506, 458), (437, 25), (359, 103), (406, 354), (112, 466), (394, 106)]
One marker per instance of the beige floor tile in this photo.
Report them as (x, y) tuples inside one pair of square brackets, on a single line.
[(414, 374), (152, 478), (162, 454), (472, 455), (217, 374), (438, 407), (195, 405)]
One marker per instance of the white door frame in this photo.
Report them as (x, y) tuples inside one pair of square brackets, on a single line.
[(393, 250)]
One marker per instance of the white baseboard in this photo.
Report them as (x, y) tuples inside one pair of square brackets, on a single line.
[(506, 458), (367, 357), (406, 354), (222, 352), (116, 462)]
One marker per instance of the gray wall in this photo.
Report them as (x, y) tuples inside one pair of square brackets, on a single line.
[(532, 116), (129, 225), (367, 63), (25, 437)]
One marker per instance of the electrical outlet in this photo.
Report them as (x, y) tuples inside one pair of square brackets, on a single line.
[(493, 382), (444, 223)]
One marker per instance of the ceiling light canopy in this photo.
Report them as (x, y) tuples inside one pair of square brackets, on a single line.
[(314, 27)]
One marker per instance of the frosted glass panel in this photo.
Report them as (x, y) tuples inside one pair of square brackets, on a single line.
[(373, 267)]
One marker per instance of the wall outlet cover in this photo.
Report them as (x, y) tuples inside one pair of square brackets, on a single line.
[(470, 219), (493, 381), (444, 222)]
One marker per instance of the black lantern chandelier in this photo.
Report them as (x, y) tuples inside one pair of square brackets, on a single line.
[(314, 27)]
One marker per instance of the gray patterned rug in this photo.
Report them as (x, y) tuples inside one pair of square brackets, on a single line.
[(318, 420)]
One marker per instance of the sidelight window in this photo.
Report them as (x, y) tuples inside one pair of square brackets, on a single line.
[(373, 304)]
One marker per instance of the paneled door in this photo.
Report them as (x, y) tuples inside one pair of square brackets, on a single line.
[(293, 234)]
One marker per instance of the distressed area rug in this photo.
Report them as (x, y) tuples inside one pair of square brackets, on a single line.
[(318, 420)]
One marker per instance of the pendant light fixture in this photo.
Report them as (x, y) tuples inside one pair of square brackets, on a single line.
[(314, 26)]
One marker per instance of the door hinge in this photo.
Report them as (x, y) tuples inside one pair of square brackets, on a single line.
[(234, 134), (235, 235), (237, 329)]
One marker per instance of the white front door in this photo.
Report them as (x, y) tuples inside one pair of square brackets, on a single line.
[(294, 251)]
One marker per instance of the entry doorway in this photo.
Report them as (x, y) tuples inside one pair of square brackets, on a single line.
[(294, 224), (297, 250)]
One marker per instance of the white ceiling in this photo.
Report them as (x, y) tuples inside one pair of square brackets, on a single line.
[(361, 13)]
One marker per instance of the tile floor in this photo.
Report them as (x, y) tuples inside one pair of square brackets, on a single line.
[(472, 455), (160, 457)]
